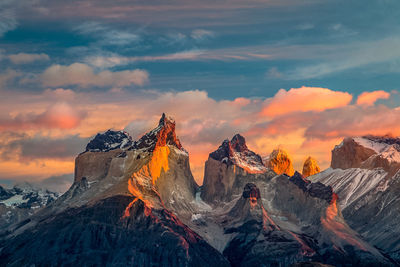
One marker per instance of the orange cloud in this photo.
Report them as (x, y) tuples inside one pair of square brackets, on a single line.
[(301, 127), (304, 99), (369, 98)]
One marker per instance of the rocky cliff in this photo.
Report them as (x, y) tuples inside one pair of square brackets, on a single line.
[(280, 162), (225, 167), (310, 167)]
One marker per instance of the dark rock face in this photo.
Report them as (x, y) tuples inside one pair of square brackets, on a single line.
[(317, 189), (108, 141), (99, 236), (225, 152), (251, 191)]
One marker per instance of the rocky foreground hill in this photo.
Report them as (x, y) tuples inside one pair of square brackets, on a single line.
[(135, 203)]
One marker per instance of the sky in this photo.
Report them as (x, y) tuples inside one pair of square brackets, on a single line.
[(296, 74)]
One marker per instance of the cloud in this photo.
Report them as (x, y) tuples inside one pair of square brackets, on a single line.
[(27, 148), (274, 73), (84, 76), (201, 34), (7, 76), (304, 99), (22, 58), (369, 98), (106, 35), (60, 183), (60, 115), (101, 61), (305, 26), (293, 121), (8, 21), (339, 58)]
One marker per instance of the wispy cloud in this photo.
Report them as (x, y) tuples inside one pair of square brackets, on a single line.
[(107, 35)]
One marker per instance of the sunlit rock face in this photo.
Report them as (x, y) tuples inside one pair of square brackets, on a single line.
[(224, 168), (280, 162), (310, 167), (365, 175)]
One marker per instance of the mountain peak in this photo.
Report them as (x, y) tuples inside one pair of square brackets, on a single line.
[(280, 162), (310, 167), (238, 143), (163, 134), (109, 140), (367, 152), (236, 152)]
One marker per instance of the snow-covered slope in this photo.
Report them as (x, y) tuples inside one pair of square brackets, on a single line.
[(21, 201), (365, 174)]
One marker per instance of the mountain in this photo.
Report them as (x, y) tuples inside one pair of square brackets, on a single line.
[(276, 220), (225, 166), (136, 203), (120, 210), (365, 174), (280, 162), (22, 201), (310, 167)]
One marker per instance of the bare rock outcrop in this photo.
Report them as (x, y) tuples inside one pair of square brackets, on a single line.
[(280, 162), (310, 167)]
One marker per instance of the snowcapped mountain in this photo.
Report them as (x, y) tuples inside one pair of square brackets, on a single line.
[(21, 201), (365, 173), (136, 203)]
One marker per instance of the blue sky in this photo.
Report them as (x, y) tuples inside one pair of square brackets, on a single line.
[(248, 50)]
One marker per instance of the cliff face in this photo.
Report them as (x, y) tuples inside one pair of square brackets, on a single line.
[(350, 154), (310, 167), (280, 162), (224, 168)]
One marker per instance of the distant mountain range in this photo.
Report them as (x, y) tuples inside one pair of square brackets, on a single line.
[(135, 203)]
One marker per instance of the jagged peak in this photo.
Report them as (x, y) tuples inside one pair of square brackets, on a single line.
[(163, 134), (237, 153), (238, 143), (280, 162), (317, 189), (310, 167), (109, 140)]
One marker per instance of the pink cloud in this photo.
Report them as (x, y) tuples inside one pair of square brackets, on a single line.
[(59, 115), (202, 122), (369, 98)]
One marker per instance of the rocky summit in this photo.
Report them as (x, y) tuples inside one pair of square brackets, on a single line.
[(280, 162), (135, 203), (310, 167)]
